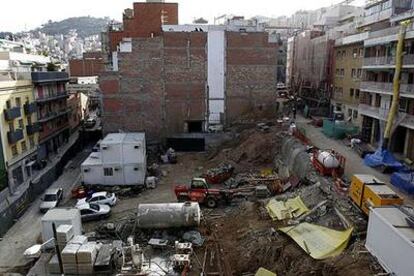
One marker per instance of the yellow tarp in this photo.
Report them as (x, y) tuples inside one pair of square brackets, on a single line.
[(318, 241), (292, 208), (264, 272)]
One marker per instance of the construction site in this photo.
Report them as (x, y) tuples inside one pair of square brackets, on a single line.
[(208, 165)]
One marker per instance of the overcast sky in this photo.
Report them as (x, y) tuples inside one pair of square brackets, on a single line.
[(18, 15)]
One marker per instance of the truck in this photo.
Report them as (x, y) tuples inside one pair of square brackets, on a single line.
[(199, 191)]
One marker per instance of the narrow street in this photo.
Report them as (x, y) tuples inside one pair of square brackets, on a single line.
[(26, 231)]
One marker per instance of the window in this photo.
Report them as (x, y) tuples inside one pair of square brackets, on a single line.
[(353, 73), (15, 152), (344, 53), (410, 78), (355, 114), (355, 53), (31, 142), (357, 93), (342, 72), (21, 123), (11, 127), (361, 52), (403, 106), (359, 73), (108, 172), (351, 92), (29, 119), (18, 102), (8, 104), (24, 147), (349, 112)]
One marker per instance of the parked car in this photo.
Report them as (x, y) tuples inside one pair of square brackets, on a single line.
[(51, 199), (99, 198), (94, 211)]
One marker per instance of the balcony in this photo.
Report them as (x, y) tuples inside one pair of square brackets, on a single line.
[(15, 136), (404, 119), (32, 129), (12, 113), (388, 61), (58, 96), (386, 88), (52, 115), (30, 108), (44, 77)]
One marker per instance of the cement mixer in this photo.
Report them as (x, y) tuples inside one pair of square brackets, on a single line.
[(328, 162)]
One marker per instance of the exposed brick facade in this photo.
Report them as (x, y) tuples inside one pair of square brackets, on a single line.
[(92, 64), (162, 83), (251, 75), (145, 20)]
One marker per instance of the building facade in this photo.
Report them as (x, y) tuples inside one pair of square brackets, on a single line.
[(378, 67), (192, 77), (349, 56), (19, 126), (51, 95)]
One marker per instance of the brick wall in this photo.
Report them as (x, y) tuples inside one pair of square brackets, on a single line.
[(251, 75), (147, 20), (92, 64), (161, 84)]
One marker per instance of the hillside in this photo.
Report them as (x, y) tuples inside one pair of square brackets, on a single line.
[(85, 26)]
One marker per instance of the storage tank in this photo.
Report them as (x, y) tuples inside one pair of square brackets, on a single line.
[(168, 215), (328, 159)]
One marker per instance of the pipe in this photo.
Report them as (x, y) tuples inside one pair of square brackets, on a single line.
[(396, 85), (168, 215)]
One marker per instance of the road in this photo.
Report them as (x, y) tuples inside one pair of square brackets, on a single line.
[(26, 231), (354, 163)]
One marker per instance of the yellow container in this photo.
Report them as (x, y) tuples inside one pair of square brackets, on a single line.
[(367, 191)]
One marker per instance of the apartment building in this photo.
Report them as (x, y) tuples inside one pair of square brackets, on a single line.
[(378, 69), (19, 127), (349, 57), (189, 77), (51, 95)]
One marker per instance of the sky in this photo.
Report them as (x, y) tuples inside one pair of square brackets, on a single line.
[(21, 15)]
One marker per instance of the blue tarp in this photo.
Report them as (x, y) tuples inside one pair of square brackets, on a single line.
[(403, 181), (383, 158)]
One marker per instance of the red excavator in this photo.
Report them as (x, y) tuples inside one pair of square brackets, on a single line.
[(199, 191)]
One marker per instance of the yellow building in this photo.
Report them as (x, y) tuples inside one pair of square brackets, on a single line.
[(19, 129), (349, 56)]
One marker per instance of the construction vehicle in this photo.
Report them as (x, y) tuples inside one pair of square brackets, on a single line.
[(328, 162), (367, 191), (199, 191)]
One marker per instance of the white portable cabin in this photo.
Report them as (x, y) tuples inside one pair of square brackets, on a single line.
[(121, 161), (60, 216), (390, 239)]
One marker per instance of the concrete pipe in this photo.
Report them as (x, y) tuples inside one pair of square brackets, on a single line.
[(168, 215)]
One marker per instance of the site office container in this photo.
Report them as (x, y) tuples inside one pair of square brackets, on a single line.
[(123, 148)]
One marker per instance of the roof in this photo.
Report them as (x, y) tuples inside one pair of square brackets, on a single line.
[(396, 218), (52, 191), (119, 138), (382, 189), (95, 158), (99, 194), (367, 178), (58, 214)]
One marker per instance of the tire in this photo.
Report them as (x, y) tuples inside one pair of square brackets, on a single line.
[(182, 198), (211, 202)]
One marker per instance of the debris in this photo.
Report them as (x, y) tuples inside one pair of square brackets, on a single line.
[(151, 182), (318, 241), (264, 272), (219, 174), (194, 237), (292, 208), (262, 191), (158, 243)]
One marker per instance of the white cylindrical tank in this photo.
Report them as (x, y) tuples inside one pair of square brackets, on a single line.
[(328, 159), (168, 215)]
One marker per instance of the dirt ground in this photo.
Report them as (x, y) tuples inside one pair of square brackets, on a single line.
[(241, 238)]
